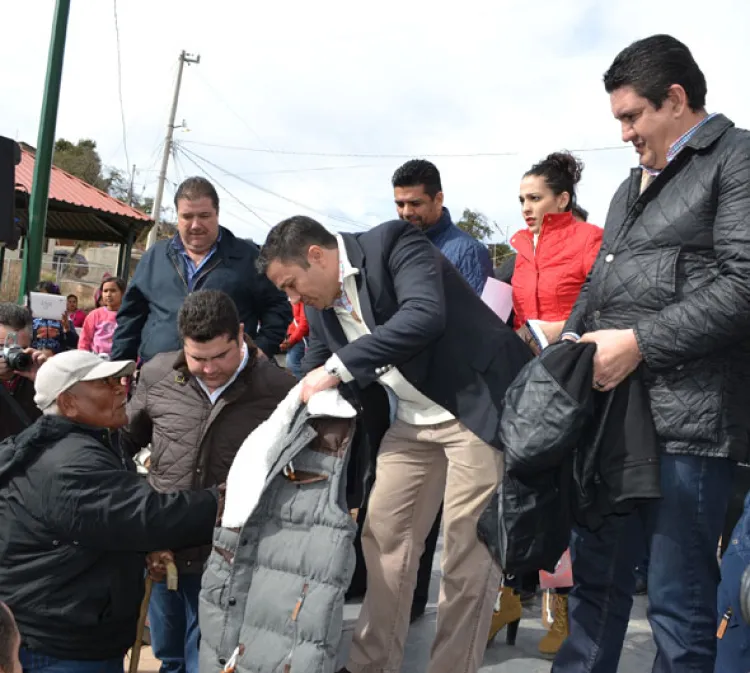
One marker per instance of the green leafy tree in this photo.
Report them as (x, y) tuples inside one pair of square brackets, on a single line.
[(119, 187), (499, 252), (81, 160), (476, 224), (167, 225)]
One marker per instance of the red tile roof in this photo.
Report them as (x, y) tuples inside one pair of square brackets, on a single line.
[(67, 188)]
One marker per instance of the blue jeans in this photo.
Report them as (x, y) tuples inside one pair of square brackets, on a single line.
[(682, 533), (733, 649), (41, 663), (641, 567), (173, 620), (294, 359)]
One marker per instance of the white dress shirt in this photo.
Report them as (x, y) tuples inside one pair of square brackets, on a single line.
[(413, 407)]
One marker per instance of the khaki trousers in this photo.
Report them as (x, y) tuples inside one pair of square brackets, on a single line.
[(419, 467)]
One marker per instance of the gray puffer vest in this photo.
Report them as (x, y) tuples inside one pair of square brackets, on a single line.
[(272, 594)]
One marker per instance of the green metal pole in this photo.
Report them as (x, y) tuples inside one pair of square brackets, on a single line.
[(128, 257), (120, 259), (45, 146)]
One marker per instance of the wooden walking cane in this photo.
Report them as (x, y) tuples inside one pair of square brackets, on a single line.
[(135, 652)]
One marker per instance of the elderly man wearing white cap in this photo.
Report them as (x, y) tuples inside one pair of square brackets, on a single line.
[(78, 521)]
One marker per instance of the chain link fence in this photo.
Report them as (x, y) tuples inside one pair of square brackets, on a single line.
[(72, 277)]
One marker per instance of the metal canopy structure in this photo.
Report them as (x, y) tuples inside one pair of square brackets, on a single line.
[(78, 211)]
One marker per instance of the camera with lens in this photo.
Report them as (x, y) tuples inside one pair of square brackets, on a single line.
[(14, 355)]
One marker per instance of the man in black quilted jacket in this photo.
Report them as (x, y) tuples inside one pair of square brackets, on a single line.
[(669, 293)]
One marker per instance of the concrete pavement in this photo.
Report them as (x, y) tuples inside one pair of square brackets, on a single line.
[(638, 652)]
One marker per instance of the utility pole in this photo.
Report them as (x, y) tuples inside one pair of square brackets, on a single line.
[(184, 58), (45, 146), (130, 189)]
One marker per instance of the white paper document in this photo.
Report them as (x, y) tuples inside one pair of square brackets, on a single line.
[(50, 306), (499, 297)]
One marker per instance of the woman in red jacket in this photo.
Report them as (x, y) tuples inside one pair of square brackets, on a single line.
[(295, 343), (555, 251), (554, 255)]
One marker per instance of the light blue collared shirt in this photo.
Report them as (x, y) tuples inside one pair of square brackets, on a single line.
[(191, 268), (678, 145)]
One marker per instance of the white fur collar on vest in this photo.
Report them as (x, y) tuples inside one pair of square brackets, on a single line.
[(249, 471)]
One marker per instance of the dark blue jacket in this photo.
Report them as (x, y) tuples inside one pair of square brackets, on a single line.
[(147, 319), (469, 256)]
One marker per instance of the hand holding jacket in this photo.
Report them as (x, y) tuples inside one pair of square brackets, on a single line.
[(617, 356), (316, 381)]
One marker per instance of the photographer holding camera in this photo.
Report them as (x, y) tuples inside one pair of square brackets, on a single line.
[(18, 366)]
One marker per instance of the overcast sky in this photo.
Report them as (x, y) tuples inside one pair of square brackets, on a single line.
[(328, 77)]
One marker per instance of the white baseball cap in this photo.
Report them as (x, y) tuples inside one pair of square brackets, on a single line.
[(61, 372)]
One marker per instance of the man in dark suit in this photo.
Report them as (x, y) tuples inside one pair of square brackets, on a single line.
[(387, 307)]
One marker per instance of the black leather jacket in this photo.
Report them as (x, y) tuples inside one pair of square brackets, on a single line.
[(10, 422), (675, 267), (571, 454)]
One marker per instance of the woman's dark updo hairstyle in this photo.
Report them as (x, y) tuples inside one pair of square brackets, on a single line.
[(562, 172)]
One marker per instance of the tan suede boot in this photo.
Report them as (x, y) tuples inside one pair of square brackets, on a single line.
[(507, 613), (548, 609), (551, 643)]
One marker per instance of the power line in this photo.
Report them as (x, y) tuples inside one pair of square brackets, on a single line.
[(155, 157), (312, 169), (177, 148), (243, 218), (119, 86), (221, 98), (468, 155), (177, 165), (237, 199), (281, 214), (282, 162), (272, 193)]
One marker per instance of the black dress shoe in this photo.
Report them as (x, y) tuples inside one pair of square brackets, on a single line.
[(641, 586), (417, 612)]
